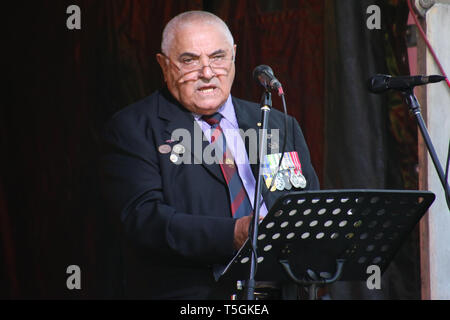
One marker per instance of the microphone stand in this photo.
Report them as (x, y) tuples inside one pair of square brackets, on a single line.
[(414, 106), (266, 104)]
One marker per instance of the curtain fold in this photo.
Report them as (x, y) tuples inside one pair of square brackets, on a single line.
[(360, 151)]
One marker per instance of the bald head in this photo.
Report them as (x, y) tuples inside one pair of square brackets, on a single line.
[(197, 61), (190, 18)]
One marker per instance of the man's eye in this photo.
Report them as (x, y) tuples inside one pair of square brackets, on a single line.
[(218, 57), (187, 61)]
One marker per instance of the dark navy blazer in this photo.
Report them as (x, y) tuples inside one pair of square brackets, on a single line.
[(175, 219)]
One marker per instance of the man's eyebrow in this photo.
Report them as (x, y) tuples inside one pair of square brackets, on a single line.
[(218, 52), (188, 54), (193, 55)]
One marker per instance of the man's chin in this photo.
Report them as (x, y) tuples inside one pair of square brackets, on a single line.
[(208, 107)]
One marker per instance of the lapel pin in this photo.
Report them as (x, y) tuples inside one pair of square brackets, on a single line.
[(173, 158), (179, 148), (164, 149)]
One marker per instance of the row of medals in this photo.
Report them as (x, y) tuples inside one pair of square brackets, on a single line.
[(283, 180), (288, 178)]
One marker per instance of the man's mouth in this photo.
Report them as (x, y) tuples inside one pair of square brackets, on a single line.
[(206, 89)]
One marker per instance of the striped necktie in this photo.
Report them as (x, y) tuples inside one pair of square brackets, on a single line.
[(240, 204)]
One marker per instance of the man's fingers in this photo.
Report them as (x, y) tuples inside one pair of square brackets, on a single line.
[(241, 231)]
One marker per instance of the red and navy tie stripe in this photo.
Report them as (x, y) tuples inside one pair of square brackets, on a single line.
[(240, 203)]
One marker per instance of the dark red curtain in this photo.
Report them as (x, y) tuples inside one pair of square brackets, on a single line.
[(287, 35)]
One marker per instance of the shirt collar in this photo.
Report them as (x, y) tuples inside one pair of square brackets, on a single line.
[(227, 111)]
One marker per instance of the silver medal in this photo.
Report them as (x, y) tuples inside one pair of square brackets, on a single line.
[(279, 182), (295, 180), (302, 180), (287, 183)]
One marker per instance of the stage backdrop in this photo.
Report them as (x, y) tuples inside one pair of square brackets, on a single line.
[(63, 85)]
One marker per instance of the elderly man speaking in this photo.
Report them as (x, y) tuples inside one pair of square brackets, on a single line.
[(181, 216)]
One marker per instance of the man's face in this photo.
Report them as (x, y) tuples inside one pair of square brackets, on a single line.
[(205, 89)]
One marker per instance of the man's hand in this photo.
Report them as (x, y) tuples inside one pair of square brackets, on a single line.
[(241, 231)]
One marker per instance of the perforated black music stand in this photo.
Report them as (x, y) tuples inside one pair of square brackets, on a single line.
[(317, 238)]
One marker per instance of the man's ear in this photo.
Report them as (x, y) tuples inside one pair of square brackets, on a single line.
[(234, 52), (162, 61)]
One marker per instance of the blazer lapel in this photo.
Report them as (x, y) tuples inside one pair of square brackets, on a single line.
[(178, 117)]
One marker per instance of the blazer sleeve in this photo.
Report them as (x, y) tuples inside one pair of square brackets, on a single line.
[(132, 187)]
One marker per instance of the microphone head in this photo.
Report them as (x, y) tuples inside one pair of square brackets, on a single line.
[(382, 82), (436, 78), (264, 75), (378, 83), (262, 69)]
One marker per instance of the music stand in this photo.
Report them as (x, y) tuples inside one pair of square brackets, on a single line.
[(319, 237)]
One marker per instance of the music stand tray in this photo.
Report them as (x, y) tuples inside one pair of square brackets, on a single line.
[(330, 235)]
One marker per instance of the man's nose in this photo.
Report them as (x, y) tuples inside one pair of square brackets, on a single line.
[(206, 71)]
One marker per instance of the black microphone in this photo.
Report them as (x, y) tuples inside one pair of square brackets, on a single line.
[(382, 82), (264, 75)]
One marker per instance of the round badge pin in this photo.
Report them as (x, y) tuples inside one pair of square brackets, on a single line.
[(179, 148), (173, 158), (164, 149)]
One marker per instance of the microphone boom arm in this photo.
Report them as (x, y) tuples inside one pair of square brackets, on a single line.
[(414, 106)]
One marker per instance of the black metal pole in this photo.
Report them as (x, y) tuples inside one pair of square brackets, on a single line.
[(414, 105), (266, 104)]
